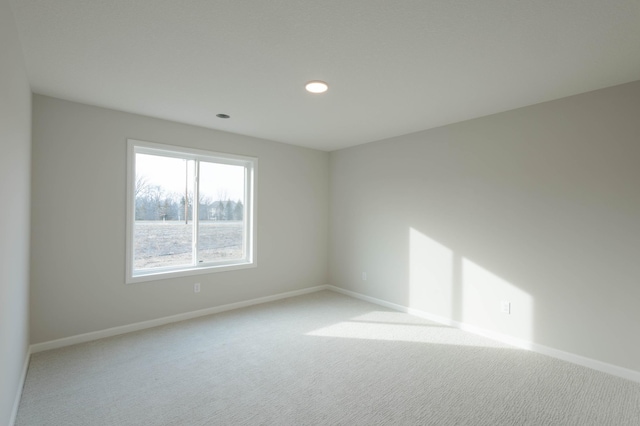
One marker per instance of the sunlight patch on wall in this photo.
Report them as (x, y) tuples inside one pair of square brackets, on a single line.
[(444, 283), (482, 294), (430, 275)]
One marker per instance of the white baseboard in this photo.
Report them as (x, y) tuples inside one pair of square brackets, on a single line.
[(615, 370), (95, 335), (23, 377)]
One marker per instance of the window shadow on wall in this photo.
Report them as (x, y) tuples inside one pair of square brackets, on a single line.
[(447, 284)]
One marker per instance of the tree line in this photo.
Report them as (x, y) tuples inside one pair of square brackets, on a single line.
[(152, 202)]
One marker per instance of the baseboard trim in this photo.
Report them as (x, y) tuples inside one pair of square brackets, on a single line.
[(594, 364), (23, 378), (114, 331)]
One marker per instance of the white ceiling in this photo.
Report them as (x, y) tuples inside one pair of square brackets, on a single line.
[(394, 66)]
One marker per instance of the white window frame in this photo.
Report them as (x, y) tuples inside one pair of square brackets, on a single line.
[(251, 167)]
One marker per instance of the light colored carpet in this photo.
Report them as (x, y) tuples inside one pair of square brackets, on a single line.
[(319, 359)]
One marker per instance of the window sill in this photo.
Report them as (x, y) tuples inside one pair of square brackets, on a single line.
[(163, 275)]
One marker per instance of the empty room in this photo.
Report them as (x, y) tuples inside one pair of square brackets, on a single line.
[(319, 213)]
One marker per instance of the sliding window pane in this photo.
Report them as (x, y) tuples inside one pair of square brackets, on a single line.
[(221, 212), (163, 225)]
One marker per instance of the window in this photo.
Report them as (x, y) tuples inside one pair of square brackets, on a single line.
[(188, 211)]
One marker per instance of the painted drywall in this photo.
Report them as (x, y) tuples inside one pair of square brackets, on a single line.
[(79, 183), (538, 206), (15, 192)]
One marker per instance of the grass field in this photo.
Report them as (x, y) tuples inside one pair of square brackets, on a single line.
[(159, 244)]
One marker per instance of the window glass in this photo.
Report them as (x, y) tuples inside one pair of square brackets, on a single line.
[(221, 229), (163, 223)]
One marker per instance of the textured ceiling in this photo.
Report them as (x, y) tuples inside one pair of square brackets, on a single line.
[(394, 67)]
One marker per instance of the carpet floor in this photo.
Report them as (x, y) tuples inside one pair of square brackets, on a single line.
[(318, 359)]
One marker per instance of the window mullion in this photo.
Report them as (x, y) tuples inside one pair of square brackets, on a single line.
[(246, 209), (196, 202)]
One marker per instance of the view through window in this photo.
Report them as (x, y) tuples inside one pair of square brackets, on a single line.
[(189, 209)]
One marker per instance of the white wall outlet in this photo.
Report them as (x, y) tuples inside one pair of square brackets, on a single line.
[(364, 276), (505, 307), (196, 288)]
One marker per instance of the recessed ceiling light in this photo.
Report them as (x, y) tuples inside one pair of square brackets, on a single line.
[(222, 116), (316, 86)]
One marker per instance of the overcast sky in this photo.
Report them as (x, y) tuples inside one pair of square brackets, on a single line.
[(170, 174)]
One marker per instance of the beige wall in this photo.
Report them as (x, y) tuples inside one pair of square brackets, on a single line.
[(78, 261), (538, 206), (15, 168)]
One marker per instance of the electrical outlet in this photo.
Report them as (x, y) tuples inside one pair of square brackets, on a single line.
[(505, 307), (196, 288), (364, 276)]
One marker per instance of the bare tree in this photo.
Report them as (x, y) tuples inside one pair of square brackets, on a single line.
[(142, 185), (204, 204), (222, 195)]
